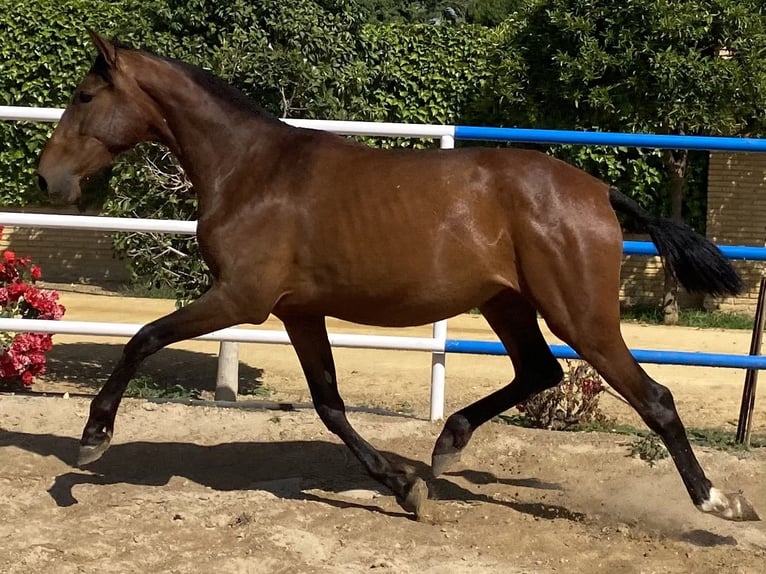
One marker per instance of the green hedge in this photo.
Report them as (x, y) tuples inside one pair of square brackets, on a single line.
[(43, 54)]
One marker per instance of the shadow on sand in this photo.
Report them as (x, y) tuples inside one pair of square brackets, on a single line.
[(286, 469), (88, 366)]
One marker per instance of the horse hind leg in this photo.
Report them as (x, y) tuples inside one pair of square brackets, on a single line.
[(514, 320), (592, 327)]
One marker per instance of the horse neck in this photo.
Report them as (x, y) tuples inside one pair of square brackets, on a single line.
[(207, 134)]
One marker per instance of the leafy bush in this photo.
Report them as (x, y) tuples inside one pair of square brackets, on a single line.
[(428, 74), (569, 405), (150, 183), (145, 387), (649, 448), (298, 58), (43, 47), (22, 355)]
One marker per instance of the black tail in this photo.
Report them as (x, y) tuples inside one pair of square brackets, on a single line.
[(694, 261)]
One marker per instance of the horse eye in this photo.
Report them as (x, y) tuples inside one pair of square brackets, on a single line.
[(85, 97)]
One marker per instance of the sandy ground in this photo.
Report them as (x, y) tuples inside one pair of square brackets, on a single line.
[(201, 489)]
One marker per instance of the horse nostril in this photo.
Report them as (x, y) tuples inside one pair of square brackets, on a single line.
[(42, 183)]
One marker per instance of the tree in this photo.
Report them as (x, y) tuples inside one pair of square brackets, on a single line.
[(298, 58), (693, 67)]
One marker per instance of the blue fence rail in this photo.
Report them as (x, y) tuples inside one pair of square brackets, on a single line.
[(525, 135), (735, 252), (689, 358)]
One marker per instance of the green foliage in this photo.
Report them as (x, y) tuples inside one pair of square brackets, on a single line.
[(43, 44), (399, 11), (484, 12), (724, 439), (698, 318), (492, 12), (651, 66), (149, 183), (649, 448), (431, 74), (293, 58), (145, 387)]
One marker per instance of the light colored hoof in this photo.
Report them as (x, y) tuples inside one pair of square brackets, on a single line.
[(441, 463), (91, 453), (729, 506)]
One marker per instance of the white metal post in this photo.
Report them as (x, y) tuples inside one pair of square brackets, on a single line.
[(438, 358), (227, 379)]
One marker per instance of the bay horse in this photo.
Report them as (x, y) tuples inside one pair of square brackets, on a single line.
[(305, 224)]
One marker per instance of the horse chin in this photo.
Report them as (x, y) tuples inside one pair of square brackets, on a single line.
[(65, 192)]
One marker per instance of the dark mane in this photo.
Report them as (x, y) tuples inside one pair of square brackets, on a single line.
[(206, 80), (219, 88)]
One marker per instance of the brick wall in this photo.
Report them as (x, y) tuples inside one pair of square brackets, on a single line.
[(737, 214), (67, 255)]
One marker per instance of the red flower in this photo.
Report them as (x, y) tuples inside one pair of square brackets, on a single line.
[(22, 356), (16, 290), (43, 304)]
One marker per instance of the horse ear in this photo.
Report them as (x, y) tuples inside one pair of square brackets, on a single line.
[(106, 48)]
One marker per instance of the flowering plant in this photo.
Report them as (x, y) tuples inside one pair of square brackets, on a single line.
[(22, 355), (570, 404)]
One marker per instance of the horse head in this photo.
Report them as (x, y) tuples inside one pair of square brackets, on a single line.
[(108, 114)]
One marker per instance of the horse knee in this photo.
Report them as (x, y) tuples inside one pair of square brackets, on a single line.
[(333, 418), (144, 343), (659, 409)]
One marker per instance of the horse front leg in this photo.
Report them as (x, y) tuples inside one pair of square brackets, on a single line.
[(210, 312), (309, 338)]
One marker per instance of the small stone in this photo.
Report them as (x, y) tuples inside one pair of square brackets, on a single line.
[(65, 396)]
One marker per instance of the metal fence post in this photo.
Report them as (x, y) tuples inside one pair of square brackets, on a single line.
[(438, 358), (227, 380)]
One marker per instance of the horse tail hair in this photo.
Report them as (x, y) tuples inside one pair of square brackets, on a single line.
[(694, 261)]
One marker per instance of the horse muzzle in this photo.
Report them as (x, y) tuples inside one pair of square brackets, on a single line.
[(62, 189)]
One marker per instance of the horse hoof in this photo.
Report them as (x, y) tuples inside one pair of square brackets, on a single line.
[(92, 452), (440, 463), (416, 498), (729, 506)]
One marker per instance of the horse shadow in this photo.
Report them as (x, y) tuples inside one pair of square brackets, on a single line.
[(89, 364), (297, 469)]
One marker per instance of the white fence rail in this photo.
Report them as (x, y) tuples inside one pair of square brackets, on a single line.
[(435, 344)]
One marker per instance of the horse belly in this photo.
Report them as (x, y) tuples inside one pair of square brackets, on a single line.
[(394, 305)]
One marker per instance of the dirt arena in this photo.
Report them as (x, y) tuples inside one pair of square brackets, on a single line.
[(192, 489)]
